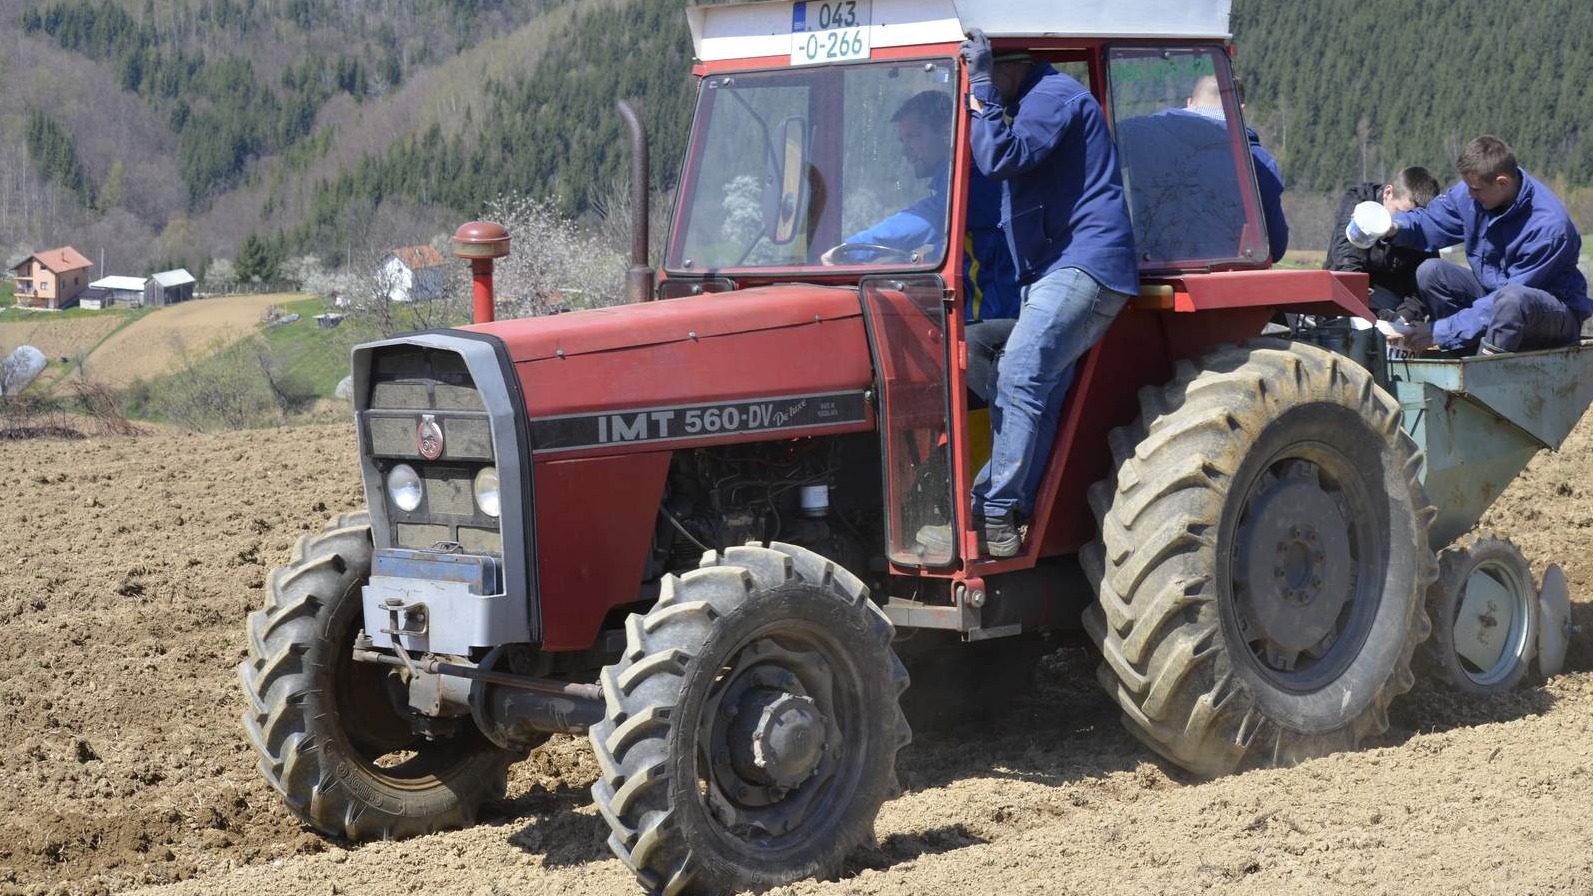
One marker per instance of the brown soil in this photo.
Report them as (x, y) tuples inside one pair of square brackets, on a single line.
[(130, 564)]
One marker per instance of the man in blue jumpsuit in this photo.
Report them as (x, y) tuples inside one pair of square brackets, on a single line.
[(924, 125), (1042, 136), (1523, 290)]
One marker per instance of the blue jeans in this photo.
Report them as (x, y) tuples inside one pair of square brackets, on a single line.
[(1511, 318), (1064, 313)]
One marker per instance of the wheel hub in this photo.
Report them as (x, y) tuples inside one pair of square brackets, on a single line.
[(1295, 566), (775, 741), (782, 739)]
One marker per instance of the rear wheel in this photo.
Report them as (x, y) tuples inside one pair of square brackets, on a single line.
[(1262, 562), (752, 724), (1485, 616), (334, 736)]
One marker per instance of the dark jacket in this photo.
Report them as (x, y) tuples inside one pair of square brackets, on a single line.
[(1062, 202), (1392, 268)]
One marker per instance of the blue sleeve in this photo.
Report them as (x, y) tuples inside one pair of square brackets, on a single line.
[(907, 229), (1544, 262), (1434, 227), (1003, 150), (1269, 180), (1462, 328)]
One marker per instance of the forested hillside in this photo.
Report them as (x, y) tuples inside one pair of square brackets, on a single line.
[(173, 131), (1345, 91)]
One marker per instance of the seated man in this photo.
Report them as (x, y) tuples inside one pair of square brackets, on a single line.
[(1523, 290), (922, 125), (1206, 99), (1392, 268), (1185, 188)]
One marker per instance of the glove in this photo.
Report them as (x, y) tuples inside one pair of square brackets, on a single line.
[(977, 54), (1413, 337)]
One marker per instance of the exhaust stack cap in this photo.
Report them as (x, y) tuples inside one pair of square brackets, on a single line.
[(481, 239)]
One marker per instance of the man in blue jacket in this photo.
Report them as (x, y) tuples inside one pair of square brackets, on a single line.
[(1206, 100), (924, 127), (1042, 136), (1523, 290)]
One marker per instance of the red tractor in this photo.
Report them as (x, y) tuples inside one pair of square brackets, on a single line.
[(686, 525)]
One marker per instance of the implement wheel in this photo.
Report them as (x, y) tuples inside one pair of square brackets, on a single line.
[(1263, 560), (1485, 617), (334, 736), (752, 724)]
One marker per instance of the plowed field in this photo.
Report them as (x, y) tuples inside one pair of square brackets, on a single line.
[(129, 565)]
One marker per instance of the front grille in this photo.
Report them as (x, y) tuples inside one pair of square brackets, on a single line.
[(410, 387)]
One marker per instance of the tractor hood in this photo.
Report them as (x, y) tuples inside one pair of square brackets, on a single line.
[(772, 362), (564, 336)]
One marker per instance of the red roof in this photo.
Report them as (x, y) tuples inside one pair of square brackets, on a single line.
[(417, 257), (60, 260)]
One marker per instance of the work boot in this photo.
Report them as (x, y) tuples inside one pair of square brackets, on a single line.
[(1001, 536), (998, 537)]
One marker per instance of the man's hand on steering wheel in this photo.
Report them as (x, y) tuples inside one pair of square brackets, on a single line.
[(848, 253)]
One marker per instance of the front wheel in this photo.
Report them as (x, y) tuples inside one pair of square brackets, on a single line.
[(1263, 560), (752, 724), (334, 736)]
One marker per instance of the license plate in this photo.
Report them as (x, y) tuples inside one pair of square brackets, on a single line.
[(829, 31)]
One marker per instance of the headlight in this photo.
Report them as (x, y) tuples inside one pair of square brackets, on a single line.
[(487, 491), (403, 486)]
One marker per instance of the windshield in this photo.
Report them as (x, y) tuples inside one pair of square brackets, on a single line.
[(842, 165)]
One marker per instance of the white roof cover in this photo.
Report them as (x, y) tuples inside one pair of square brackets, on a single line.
[(746, 30), (178, 277), (124, 284)]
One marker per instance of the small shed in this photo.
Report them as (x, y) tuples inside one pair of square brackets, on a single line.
[(169, 288), (105, 292)]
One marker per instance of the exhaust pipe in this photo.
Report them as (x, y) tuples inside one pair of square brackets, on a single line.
[(639, 278)]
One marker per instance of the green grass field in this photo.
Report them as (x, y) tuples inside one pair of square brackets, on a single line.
[(307, 354)]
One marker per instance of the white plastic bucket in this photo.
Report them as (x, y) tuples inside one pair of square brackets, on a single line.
[(1368, 223)]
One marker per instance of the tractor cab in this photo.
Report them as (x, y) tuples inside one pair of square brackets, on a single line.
[(806, 137), (830, 147)]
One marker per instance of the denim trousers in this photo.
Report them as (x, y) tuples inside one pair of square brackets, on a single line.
[(1512, 319), (1064, 313)]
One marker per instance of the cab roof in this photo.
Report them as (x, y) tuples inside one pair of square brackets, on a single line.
[(764, 29)]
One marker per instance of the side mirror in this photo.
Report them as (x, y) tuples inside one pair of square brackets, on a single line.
[(793, 175)]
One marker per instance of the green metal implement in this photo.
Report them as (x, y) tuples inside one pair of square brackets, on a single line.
[(1481, 419)]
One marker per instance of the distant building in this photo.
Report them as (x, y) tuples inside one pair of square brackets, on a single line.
[(51, 280), (413, 274), (106, 292), (169, 288)]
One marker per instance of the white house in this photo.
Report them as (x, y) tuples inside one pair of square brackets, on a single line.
[(413, 273)]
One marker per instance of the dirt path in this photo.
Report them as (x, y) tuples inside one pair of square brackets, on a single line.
[(150, 345), (130, 564)]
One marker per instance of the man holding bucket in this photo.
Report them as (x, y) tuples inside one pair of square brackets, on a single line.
[(1523, 290)]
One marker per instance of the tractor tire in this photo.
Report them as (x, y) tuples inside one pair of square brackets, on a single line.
[(333, 735), (752, 724), (1263, 560), (1510, 628)]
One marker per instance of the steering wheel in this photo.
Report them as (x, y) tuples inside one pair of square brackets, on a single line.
[(867, 253)]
